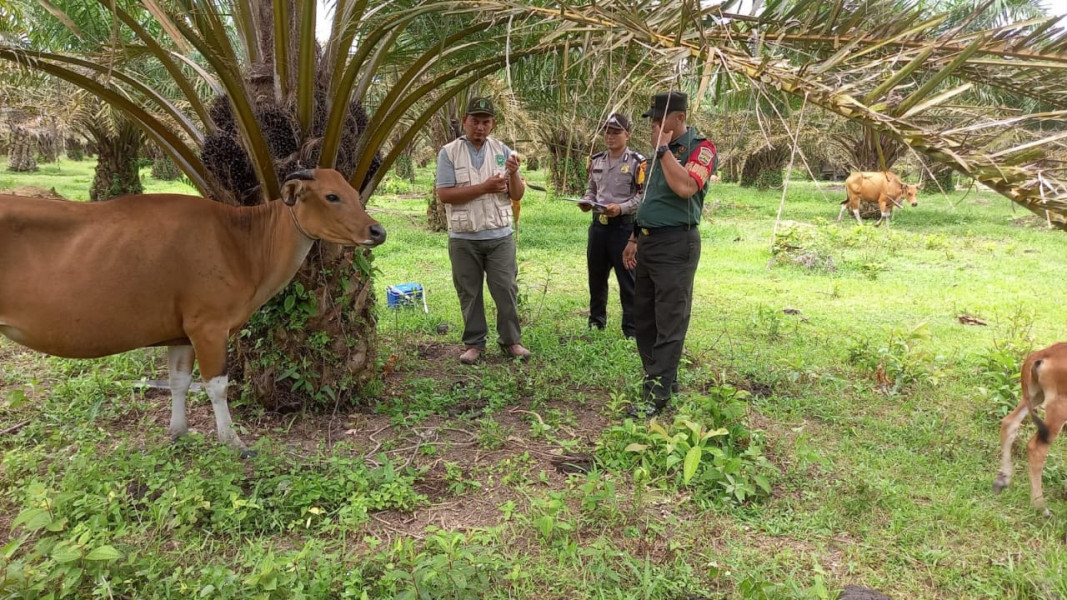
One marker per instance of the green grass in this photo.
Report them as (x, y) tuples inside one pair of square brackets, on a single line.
[(72, 179), (444, 488)]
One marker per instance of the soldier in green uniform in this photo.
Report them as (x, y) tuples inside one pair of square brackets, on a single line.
[(616, 177), (664, 247)]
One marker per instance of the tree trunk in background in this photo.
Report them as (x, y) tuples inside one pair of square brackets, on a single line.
[(164, 169), (444, 128), (117, 162), (314, 345), (568, 163), (49, 143), (326, 312), (863, 151), (943, 177), (75, 148), (763, 168), (23, 149), (435, 213)]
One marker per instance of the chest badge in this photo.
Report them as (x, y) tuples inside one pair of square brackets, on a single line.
[(624, 168)]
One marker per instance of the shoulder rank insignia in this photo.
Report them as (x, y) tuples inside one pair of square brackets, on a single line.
[(705, 156)]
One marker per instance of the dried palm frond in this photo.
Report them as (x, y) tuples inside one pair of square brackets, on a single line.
[(904, 72)]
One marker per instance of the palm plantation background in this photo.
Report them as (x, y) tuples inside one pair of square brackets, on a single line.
[(231, 96)]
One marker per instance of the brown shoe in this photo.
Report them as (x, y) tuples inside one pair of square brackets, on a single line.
[(470, 355), (516, 351)]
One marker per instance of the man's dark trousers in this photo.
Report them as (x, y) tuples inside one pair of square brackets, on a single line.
[(666, 266), (603, 253)]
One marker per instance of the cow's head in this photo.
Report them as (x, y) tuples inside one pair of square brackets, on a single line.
[(910, 193), (326, 207)]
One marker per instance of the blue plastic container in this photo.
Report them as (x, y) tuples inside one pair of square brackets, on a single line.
[(404, 294)]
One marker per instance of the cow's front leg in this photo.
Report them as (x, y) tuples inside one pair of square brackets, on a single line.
[(211, 354), (881, 210), (180, 373)]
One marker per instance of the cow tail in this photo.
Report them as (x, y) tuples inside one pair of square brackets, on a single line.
[(1042, 429)]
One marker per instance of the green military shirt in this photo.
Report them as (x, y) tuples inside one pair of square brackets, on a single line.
[(661, 206)]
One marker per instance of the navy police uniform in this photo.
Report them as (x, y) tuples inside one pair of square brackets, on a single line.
[(612, 181)]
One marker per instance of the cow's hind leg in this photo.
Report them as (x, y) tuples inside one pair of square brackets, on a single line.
[(211, 354), (1037, 449), (180, 372), (1009, 428)]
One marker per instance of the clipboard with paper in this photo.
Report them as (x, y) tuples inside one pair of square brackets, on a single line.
[(596, 206)]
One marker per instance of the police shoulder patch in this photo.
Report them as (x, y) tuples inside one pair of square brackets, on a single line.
[(705, 156)]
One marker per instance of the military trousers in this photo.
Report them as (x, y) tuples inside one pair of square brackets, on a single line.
[(475, 265), (603, 254), (663, 301)]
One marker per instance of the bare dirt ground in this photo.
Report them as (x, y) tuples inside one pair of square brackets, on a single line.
[(511, 454), (508, 464)]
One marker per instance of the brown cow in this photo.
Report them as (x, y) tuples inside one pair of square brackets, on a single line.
[(882, 187), (1044, 381), (87, 280)]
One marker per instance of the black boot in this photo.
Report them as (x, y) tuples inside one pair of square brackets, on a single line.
[(654, 398)]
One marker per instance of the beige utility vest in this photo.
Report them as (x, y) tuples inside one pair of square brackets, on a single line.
[(488, 211)]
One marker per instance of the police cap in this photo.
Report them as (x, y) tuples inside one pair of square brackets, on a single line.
[(666, 103)]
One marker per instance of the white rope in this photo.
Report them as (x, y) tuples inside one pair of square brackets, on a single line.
[(785, 181)]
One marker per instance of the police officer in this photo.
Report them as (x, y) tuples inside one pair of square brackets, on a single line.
[(665, 246), (616, 177)]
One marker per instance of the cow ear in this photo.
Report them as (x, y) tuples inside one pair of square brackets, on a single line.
[(292, 191)]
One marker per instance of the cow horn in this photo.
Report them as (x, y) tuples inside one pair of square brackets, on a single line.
[(305, 174)]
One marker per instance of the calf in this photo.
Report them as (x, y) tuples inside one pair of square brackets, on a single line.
[(86, 280), (1044, 382), (883, 188)]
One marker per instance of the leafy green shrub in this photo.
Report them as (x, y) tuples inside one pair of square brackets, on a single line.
[(80, 517), (1001, 366), (901, 361), (707, 447), (452, 565), (803, 245), (549, 516)]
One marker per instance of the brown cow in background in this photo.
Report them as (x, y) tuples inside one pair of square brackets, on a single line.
[(880, 187)]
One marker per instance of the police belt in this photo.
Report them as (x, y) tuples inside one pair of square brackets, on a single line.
[(653, 231), (603, 219)]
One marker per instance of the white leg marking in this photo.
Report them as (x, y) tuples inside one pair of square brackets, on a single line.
[(216, 390), (841, 212), (1004, 475), (856, 212), (180, 371)]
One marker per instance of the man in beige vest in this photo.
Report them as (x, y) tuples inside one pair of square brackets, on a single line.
[(477, 180)]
